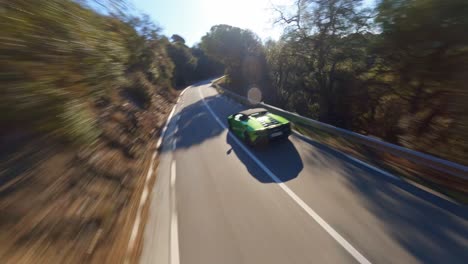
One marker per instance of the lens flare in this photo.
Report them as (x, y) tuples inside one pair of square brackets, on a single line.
[(254, 95)]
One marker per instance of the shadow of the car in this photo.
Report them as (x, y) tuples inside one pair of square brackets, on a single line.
[(280, 156)]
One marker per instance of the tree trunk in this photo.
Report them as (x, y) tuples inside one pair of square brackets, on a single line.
[(324, 105)]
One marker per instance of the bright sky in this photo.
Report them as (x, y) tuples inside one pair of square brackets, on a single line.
[(192, 19)]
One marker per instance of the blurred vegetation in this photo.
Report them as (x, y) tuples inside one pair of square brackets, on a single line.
[(185, 62), (191, 64), (59, 57), (397, 71)]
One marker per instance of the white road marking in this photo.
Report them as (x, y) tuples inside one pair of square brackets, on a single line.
[(165, 127), (145, 193), (158, 145), (144, 196), (332, 232), (182, 93), (175, 258), (385, 173)]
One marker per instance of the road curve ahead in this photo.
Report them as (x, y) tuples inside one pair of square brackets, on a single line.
[(217, 201)]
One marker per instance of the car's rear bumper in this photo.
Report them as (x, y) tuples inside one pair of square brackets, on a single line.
[(273, 134), (284, 134)]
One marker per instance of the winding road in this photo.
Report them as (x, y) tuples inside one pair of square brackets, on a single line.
[(217, 201)]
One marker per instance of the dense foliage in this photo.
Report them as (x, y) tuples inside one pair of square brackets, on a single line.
[(241, 52), (397, 72), (185, 62), (58, 58)]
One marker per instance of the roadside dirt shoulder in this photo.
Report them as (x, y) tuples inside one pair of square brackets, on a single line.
[(60, 204)]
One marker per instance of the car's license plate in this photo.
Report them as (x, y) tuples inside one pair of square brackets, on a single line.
[(276, 134)]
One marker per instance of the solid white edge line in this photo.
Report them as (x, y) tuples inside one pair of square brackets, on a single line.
[(385, 173), (169, 118), (175, 257), (182, 93), (163, 132), (335, 235), (145, 193), (144, 196)]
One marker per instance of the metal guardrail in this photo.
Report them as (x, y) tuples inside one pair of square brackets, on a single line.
[(427, 160)]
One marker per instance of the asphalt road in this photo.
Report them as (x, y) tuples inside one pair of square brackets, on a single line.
[(217, 201)]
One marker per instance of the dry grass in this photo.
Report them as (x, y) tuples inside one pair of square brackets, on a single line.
[(65, 205)]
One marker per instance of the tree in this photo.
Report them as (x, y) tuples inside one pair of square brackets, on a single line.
[(206, 66), (401, 78), (149, 53), (185, 63), (240, 51), (425, 48), (71, 57), (177, 39), (322, 28), (288, 75)]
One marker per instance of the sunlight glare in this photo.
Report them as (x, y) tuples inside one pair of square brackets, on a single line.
[(256, 15)]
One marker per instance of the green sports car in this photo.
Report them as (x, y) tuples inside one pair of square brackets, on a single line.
[(257, 126)]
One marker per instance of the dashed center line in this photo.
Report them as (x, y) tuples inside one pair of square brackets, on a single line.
[(175, 258)]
